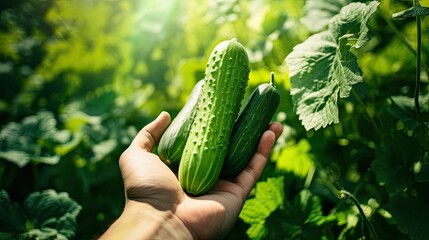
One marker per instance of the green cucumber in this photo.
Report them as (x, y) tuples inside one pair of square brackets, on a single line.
[(226, 78), (173, 140), (249, 127)]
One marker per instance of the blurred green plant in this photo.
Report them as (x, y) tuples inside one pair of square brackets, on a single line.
[(82, 77)]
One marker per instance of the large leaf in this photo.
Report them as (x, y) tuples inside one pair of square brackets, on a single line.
[(352, 22), (45, 215), (323, 67), (394, 160), (318, 13), (320, 70), (31, 140), (11, 215), (302, 218), (295, 158), (411, 215), (269, 197), (403, 108)]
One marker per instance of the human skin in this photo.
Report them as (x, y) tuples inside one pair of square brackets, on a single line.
[(156, 206)]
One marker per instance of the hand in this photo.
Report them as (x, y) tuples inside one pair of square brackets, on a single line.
[(149, 182)]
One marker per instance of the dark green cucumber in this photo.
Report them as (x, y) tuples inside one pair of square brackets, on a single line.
[(226, 78), (249, 127), (172, 143)]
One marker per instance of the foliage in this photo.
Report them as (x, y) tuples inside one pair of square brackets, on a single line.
[(44, 215), (82, 77)]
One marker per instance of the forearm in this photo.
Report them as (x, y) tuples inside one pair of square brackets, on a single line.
[(142, 221)]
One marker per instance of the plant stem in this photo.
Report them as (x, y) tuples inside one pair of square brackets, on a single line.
[(418, 64), (402, 37), (368, 114), (342, 194)]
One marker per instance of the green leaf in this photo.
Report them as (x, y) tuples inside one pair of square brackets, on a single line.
[(104, 148), (318, 13), (49, 210), (403, 108), (352, 22), (295, 158), (411, 215), (302, 218), (45, 215), (11, 216), (320, 70), (393, 160), (412, 12), (323, 67), (269, 197), (30, 140)]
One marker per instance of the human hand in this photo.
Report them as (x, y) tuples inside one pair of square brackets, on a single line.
[(149, 182)]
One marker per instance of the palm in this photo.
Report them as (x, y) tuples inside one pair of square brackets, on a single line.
[(154, 183)]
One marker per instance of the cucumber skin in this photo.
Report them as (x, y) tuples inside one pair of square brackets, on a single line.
[(249, 127), (172, 142), (226, 78)]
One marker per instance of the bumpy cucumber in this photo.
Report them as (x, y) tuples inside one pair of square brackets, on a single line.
[(249, 127), (226, 78), (172, 143)]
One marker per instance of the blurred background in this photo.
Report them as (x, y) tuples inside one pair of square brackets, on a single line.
[(79, 78)]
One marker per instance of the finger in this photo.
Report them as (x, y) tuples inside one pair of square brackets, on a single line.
[(248, 177), (150, 134), (277, 128)]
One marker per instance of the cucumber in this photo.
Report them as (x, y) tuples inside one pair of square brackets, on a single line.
[(226, 78), (173, 140), (249, 127)]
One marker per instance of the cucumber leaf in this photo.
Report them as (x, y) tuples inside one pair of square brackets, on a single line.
[(411, 215), (269, 197), (323, 68), (302, 218), (11, 216), (44, 215), (403, 108), (394, 159), (295, 158), (31, 140), (318, 13)]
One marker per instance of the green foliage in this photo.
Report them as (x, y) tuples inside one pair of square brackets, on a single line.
[(43, 215), (269, 197), (323, 67), (81, 78), (30, 141)]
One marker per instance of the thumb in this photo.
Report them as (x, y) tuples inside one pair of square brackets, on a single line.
[(150, 134)]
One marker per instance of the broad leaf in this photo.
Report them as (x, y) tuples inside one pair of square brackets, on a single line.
[(394, 160), (320, 70), (104, 148), (352, 22), (45, 215), (30, 140), (302, 218), (318, 13), (52, 210), (295, 158), (403, 108), (269, 197), (411, 215), (11, 216), (323, 67)]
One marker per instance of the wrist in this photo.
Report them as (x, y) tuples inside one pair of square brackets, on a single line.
[(142, 221)]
